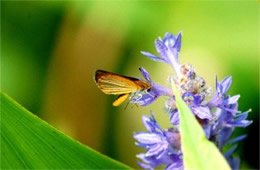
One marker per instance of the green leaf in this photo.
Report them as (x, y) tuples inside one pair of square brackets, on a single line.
[(28, 142), (198, 152)]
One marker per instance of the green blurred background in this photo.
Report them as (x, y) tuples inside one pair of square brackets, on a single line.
[(50, 51)]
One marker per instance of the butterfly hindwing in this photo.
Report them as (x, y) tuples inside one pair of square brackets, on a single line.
[(120, 99)]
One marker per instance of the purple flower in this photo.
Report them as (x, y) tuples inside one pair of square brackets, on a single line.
[(221, 90), (163, 146), (168, 48), (218, 117)]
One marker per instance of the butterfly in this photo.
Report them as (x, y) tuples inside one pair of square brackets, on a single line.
[(115, 84)]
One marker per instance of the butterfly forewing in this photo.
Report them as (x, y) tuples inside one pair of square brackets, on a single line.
[(111, 83)]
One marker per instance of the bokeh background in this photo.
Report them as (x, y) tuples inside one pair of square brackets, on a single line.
[(50, 51)]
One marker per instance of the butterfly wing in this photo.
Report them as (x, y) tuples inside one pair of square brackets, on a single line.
[(111, 83), (121, 98)]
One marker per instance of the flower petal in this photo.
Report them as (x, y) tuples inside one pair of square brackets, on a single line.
[(243, 116), (175, 166), (202, 112), (169, 49), (155, 150), (145, 74), (239, 138), (161, 48), (234, 163), (223, 135), (153, 57), (169, 39), (215, 101), (161, 90), (242, 123), (225, 85), (142, 145), (231, 108), (174, 139), (162, 154), (231, 151), (151, 124), (174, 119), (240, 120), (145, 166), (152, 161), (148, 138), (177, 44), (231, 100), (177, 163), (207, 131)]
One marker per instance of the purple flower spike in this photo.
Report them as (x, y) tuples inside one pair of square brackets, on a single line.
[(219, 116)]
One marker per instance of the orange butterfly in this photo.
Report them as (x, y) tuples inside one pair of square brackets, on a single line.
[(111, 83)]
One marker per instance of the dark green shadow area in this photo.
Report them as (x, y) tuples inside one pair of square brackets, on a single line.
[(28, 34)]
